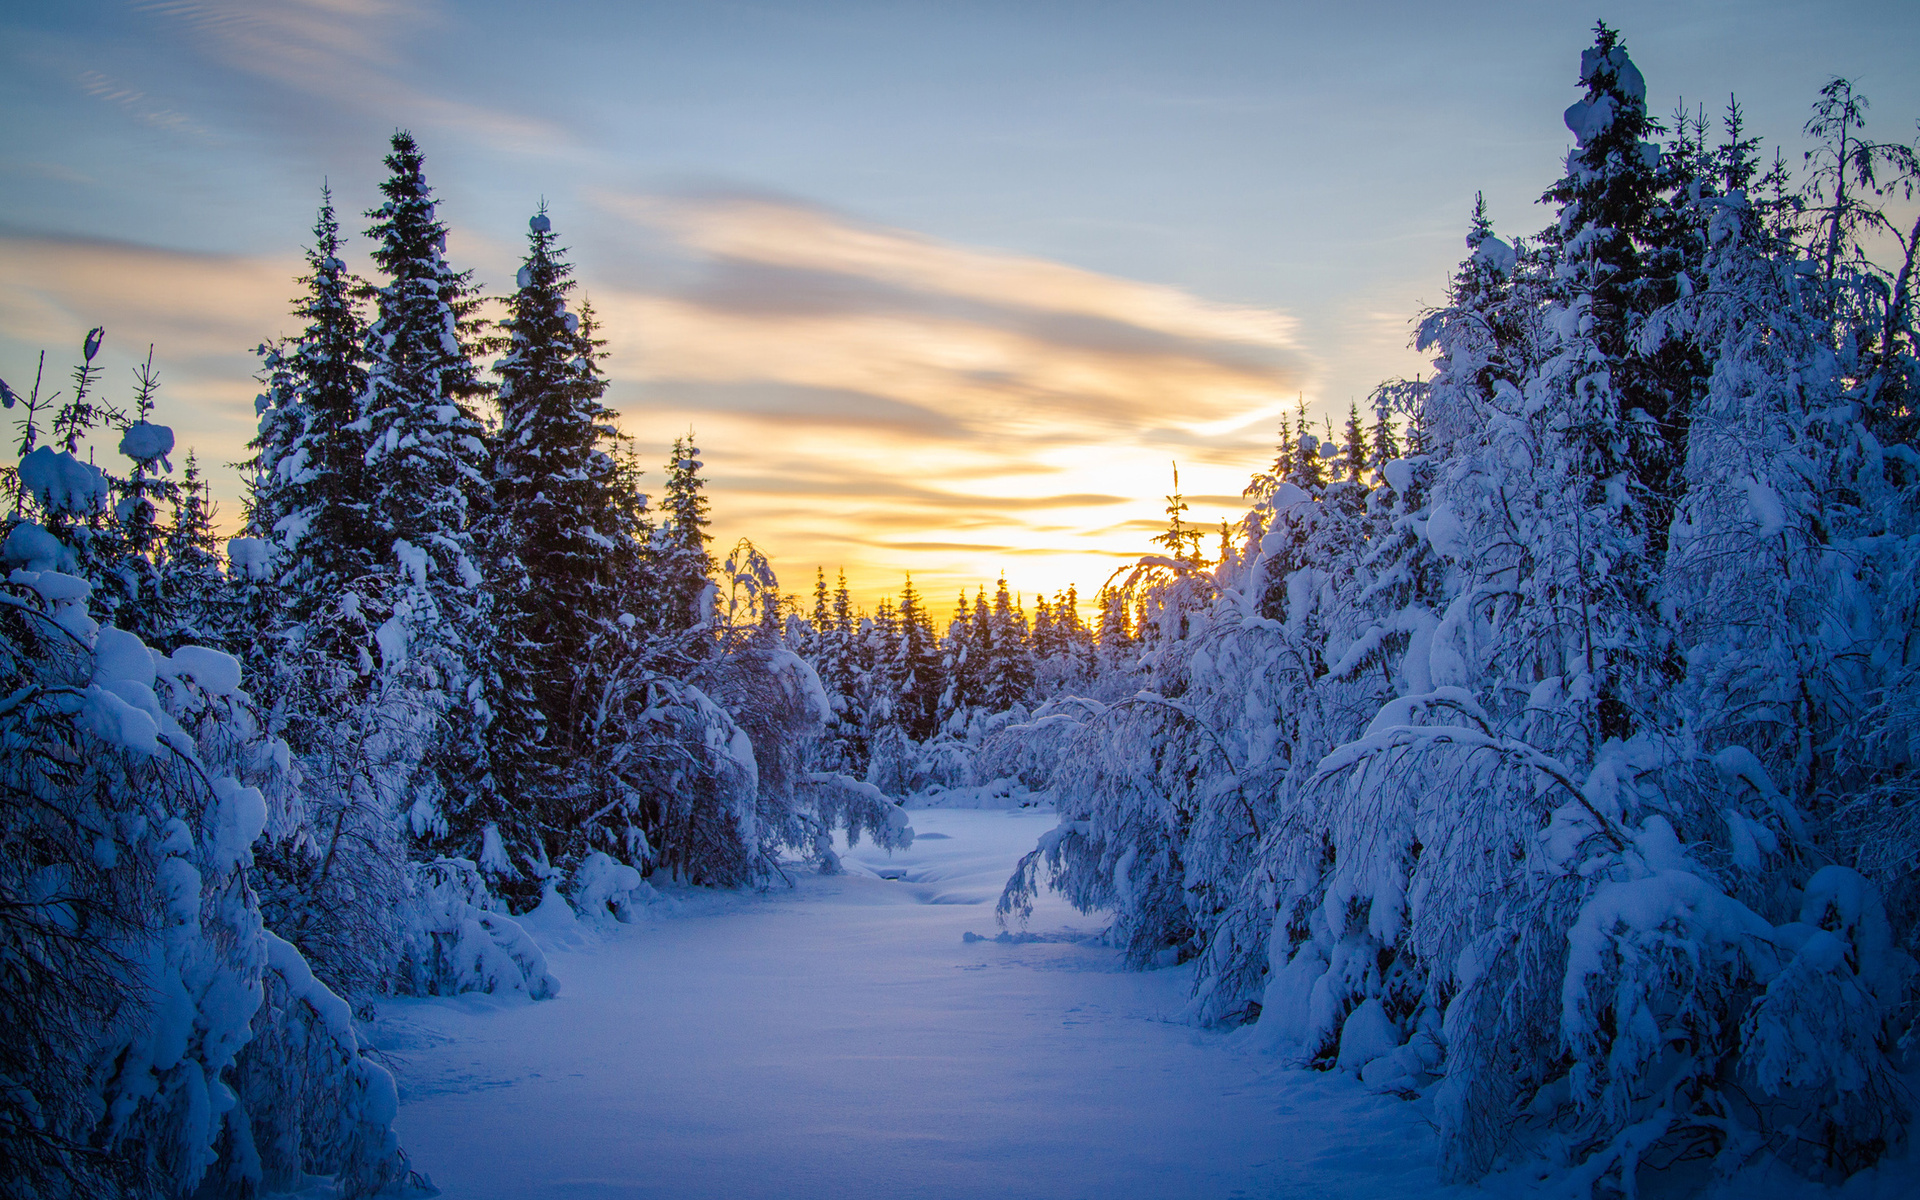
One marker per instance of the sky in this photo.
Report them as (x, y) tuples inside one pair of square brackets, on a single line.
[(942, 288)]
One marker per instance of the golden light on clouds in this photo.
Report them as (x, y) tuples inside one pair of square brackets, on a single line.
[(866, 398), (873, 399)]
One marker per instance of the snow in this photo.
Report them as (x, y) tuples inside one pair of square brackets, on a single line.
[(108, 716), (32, 547), (62, 483), (1627, 77), (1498, 255), (413, 559), (1589, 120), (845, 1039), (1367, 1034), (143, 442), (1763, 503), (120, 656), (250, 557), (217, 673), (239, 820)]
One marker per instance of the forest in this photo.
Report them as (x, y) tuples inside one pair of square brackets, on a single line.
[(1541, 743)]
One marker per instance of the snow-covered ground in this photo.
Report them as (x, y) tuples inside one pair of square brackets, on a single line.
[(845, 1039)]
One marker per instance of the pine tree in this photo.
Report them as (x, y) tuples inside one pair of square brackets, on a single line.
[(426, 485), (682, 560), (1353, 450), (559, 513), (919, 666), (199, 605)]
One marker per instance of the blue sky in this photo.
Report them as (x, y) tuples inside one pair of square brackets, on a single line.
[(943, 287)]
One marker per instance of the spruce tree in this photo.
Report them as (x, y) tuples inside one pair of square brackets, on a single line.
[(1353, 450), (919, 666), (1007, 679), (683, 562), (559, 508), (1181, 541), (199, 607), (426, 485), (957, 667), (141, 604), (309, 484)]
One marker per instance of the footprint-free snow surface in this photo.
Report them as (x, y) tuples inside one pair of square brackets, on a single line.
[(846, 1039)]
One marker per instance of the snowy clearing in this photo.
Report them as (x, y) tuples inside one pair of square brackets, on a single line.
[(844, 1039)]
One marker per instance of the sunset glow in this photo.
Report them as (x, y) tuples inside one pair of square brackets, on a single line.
[(969, 365)]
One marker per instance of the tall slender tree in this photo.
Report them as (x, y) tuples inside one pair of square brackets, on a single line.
[(559, 512), (426, 484), (683, 562)]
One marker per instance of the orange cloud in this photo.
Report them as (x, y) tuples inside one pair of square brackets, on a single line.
[(867, 398), (877, 392)]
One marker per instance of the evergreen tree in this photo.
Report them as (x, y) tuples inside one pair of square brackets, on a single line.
[(919, 667), (426, 486), (199, 606), (1382, 445), (1116, 640), (1008, 677), (1353, 450), (309, 485), (959, 666), (1182, 543), (683, 563), (560, 510)]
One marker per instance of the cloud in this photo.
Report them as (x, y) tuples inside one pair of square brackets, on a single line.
[(859, 386), (347, 54), (138, 105), (202, 313), (865, 397)]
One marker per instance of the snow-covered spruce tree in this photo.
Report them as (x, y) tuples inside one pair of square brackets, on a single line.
[(425, 479), (193, 579), (1007, 677), (136, 784), (916, 711), (842, 747), (142, 604), (1058, 663), (562, 515), (960, 668), (682, 563)]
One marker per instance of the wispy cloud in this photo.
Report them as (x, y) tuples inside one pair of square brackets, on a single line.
[(138, 105), (200, 312), (873, 389), (346, 53), (899, 405)]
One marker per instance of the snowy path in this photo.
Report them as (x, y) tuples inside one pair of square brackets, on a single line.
[(843, 1040)]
